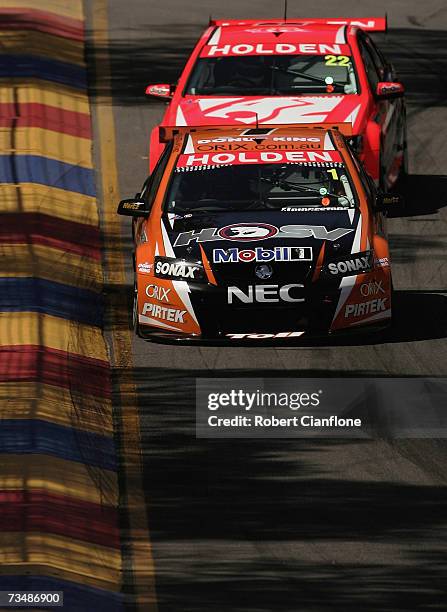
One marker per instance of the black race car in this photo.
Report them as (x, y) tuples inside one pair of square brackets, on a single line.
[(268, 233)]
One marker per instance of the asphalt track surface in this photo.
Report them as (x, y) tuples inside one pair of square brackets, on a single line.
[(291, 525)]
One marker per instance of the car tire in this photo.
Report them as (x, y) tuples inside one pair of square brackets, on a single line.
[(393, 305), (135, 324), (403, 174), (382, 186), (401, 183)]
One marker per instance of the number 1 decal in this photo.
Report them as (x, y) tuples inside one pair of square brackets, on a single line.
[(333, 173)]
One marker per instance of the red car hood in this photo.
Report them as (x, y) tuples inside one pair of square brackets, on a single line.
[(194, 110)]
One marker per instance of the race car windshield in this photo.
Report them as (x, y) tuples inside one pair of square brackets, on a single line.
[(273, 75), (259, 187)]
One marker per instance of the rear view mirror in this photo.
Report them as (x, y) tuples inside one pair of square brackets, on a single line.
[(389, 89), (386, 202), (160, 90), (133, 208)]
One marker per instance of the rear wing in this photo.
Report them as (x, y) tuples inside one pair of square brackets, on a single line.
[(372, 24), (168, 133)]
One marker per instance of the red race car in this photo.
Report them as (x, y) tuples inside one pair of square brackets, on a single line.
[(294, 71)]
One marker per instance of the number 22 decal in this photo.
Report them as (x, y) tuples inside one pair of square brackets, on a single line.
[(336, 60)]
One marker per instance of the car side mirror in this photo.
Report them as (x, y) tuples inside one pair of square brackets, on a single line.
[(133, 208), (160, 90), (389, 89), (386, 202)]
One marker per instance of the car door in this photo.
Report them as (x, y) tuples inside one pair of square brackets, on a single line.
[(387, 112), (396, 129), (149, 191)]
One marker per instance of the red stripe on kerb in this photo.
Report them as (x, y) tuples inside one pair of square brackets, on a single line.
[(46, 117), (35, 228), (66, 516), (42, 21), (28, 363)]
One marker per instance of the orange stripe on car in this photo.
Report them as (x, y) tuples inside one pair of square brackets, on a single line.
[(206, 264), (319, 263)]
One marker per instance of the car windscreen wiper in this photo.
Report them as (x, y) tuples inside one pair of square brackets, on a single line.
[(303, 75), (224, 207), (283, 183)]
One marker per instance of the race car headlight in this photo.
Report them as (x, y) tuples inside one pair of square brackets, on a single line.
[(349, 265), (356, 144), (178, 269)]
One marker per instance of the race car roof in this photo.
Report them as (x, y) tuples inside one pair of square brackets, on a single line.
[(167, 133), (372, 24), (293, 38), (283, 33), (234, 146)]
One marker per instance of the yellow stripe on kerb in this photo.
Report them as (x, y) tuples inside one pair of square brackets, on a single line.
[(50, 264), (71, 408), (47, 143), (138, 542), (58, 476), (52, 201), (42, 44), (37, 91), (24, 328), (63, 8), (83, 560)]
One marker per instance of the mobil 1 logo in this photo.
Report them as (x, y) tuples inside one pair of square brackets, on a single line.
[(260, 254)]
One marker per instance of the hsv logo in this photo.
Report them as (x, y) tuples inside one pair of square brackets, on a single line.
[(169, 268), (271, 110), (266, 294), (261, 254), (359, 310), (357, 264), (246, 231)]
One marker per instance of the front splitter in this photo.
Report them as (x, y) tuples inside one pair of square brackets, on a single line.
[(298, 338)]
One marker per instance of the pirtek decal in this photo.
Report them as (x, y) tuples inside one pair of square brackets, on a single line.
[(260, 254), (319, 232), (359, 310), (161, 312)]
